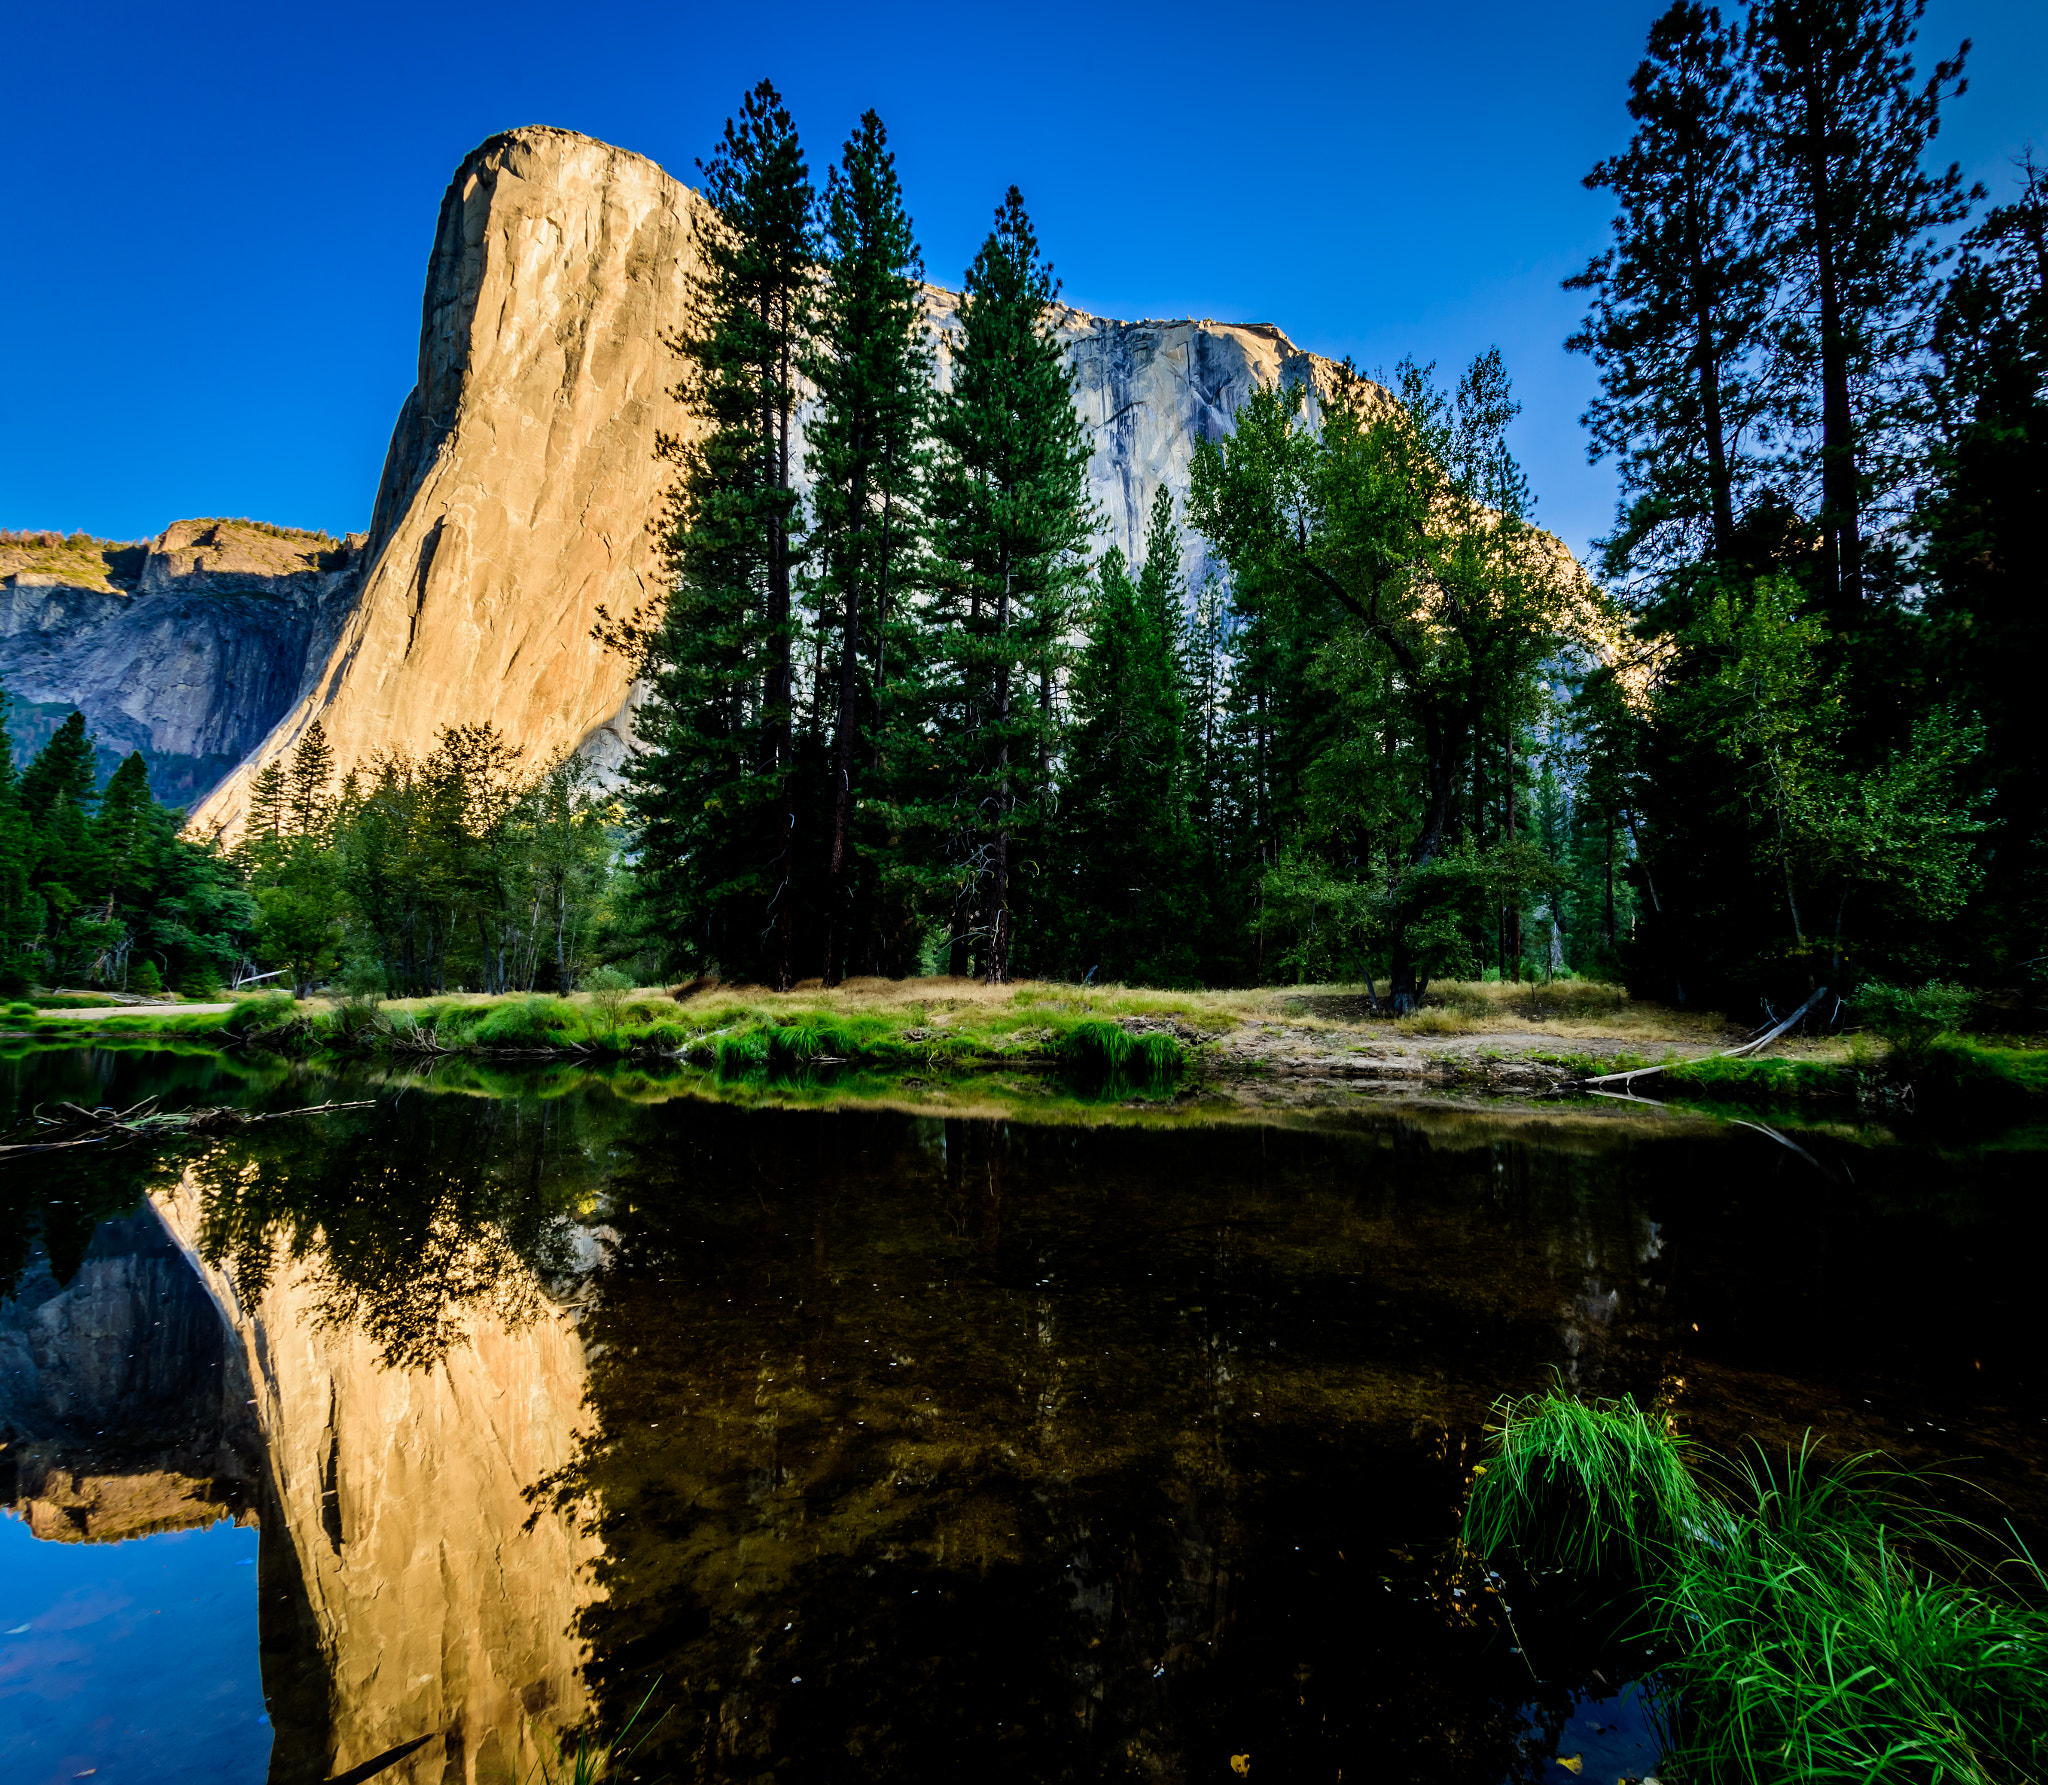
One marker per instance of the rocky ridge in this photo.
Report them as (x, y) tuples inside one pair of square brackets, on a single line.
[(188, 648)]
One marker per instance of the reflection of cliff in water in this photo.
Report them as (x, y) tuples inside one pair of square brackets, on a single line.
[(929, 1449), (411, 1378), (121, 1403)]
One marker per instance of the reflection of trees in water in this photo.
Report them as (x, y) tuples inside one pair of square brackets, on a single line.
[(59, 1199), (409, 1221), (929, 1448)]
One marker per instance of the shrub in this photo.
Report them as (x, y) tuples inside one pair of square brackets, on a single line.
[(201, 984), (355, 1016), (21, 1007), (252, 1014), (1909, 1017), (608, 989), (526, 1022), (145, 979)]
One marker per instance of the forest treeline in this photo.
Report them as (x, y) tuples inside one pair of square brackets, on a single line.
[(468, 868), (908, 713)]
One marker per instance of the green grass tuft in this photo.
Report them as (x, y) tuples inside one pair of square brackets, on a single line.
[(528, 1022), (1589, 1486), (251, 1014), (1103, 1054), (1812, 1640)]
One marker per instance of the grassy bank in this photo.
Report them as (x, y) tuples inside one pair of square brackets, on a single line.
[(1108, 1037), (1951, 1074), (1821, 1623)]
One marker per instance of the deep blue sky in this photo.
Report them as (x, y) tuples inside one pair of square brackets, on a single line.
[(217, 217)]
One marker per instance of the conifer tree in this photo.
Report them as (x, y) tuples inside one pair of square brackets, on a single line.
[(1123, 810), (866, 453), (1011, 516), (61, 775), (714, 796), (1680, 302), (1845, 124), (309, 808)]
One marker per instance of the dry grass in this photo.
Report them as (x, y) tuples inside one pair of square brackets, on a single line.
[(1007, 1014)]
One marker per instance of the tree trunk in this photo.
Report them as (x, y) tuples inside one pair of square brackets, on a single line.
[(779, 695), (1611, 940), (999, 901), (1720, 491), (1841, 541), (1514, 936), (849, 725)]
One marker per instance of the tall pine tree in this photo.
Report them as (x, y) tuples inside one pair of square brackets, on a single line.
[(1680, 303), (1012, 517), (714, 797), (1845, 126), (1124, 807), (866, 454)]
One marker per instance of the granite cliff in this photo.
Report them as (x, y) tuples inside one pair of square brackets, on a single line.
[(188, 647), (515, 494)]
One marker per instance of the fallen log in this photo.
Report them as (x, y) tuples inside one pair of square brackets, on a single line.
[(80, 1127), (1733, 1053)]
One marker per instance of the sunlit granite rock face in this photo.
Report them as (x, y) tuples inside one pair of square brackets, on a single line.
[(521, 475), (439, 1612)]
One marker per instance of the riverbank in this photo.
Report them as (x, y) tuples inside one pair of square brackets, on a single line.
[(1269, 1048)]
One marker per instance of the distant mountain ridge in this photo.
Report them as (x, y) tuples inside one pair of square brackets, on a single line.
[(515, 495)]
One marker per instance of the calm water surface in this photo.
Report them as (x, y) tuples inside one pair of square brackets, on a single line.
[(854, 1445)]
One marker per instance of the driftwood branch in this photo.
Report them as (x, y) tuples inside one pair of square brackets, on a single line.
[(80, 1127), (1733, 1053)]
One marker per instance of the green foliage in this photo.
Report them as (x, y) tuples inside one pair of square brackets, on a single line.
[(1816, 1646), (1011, 517), (1105, 1055), (1126, 831), (609, 990), (1397, 609), (1811, 1642), (462, 869), (527, 1022), (714, 795), (867, 450), (1909, 1017), (786, 1046), (1589, 1486), (95, 882), (1759, 1081), (252, 1014)]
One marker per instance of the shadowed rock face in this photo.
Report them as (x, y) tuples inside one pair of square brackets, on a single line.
[(123, 1407), (193, 659)]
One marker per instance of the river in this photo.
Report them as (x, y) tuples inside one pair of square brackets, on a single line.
[(846, 1443)]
